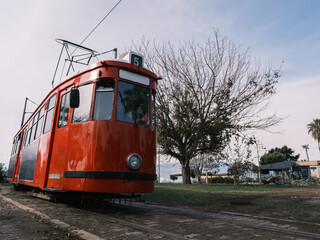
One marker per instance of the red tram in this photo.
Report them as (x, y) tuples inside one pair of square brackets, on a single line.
[(95, 132)]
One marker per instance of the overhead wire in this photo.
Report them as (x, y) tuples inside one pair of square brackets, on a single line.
[(114, 7), (70, 54)]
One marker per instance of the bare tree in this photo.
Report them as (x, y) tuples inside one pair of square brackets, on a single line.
[(238, 156), (208, 92), (204, 163)]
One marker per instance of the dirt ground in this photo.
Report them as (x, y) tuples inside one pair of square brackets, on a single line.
[(18, 224), (135, 221), (280, 202)]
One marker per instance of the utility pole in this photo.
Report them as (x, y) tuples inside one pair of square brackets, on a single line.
[(259, 174), (207, 179), (158, 165)]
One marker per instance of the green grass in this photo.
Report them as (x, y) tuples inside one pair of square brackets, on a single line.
[(285, 202)]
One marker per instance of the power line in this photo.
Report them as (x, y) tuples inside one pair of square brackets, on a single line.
[(77, 46), (98, 25)]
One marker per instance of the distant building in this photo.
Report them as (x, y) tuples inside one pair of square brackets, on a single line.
[(314, 167), (293, 169), (208, 178), (204, 177)]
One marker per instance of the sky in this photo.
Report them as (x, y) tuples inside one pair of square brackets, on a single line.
[(277, 32)]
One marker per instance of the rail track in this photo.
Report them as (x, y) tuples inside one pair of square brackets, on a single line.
[(150, 221)]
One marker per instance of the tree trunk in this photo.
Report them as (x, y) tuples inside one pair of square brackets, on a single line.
[(235, 178), (198, 175), (307, 154), (186, 174)]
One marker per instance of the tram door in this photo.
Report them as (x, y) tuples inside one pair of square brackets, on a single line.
[(15, 158), (59, 149)]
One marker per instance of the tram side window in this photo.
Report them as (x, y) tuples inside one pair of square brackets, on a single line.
[(24, 138), (133, 103), (82, 113), (64, 110), (15, 144), (39, 123), (154, 120), (13, 147), (18, 142), (49, 115), (28, 134), (24, 142), (30, 131), (34, 127), (103, 102)]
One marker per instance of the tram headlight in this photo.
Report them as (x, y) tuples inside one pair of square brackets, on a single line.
[(134, 161)]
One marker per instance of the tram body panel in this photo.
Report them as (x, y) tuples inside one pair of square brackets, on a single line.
[(103, 146), (43, 158)]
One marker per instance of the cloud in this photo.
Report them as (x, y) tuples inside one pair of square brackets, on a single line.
[(296, 99)]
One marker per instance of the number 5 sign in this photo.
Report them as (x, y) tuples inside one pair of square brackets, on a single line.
[(136, 59), (133, 58)]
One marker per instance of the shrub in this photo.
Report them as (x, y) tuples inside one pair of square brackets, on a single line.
[(3, 173), (221, 180), (173, 178)]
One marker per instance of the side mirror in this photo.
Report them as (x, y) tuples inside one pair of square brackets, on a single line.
[(74, 98)]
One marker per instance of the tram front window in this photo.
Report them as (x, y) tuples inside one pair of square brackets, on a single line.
[(133, 103), (103, 102), (82, 113)]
